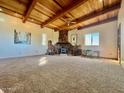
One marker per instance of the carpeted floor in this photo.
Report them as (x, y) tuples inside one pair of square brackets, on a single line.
[(60, 74)]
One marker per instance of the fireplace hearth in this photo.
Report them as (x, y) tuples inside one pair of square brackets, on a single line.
[(64, 47)]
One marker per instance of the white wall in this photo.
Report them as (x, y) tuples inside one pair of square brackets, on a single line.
[(7, 46), (121, 21), (108, 39)]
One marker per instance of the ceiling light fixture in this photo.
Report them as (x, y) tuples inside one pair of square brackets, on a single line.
[(32, 19), (1, 9), (100, 0)]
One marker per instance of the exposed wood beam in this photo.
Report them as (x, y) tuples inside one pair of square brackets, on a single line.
[(65, 10), (103, 3), (9, 10), (53, 27), (93, 15), (99, 23), (12, 14), (46, 14), (42, 6), (29, 10), (18, 15)]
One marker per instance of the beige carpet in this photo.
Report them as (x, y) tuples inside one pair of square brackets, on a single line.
[(60, 74)]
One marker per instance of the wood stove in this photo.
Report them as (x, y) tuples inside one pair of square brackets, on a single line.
[(64, 48)]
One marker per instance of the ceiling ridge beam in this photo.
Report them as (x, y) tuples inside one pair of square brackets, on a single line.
[(29, 10), (48, 10), (65, 10), (94, 14), (62, 7)]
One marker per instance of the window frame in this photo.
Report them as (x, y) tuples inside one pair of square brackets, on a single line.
[(44, 39), (91, 39)]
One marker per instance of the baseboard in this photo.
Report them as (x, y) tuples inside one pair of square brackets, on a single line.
[(109, 58), (101, 57), (12, 57)]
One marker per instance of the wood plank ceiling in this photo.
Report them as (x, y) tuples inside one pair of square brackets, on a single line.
[(62, 14)]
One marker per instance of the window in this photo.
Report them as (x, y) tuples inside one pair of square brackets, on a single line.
[(92, 39), (44, 39)]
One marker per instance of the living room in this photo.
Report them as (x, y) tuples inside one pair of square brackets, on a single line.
[(61, 46)]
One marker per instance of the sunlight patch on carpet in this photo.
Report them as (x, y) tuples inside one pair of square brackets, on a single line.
[(1, 91), (43, 61)]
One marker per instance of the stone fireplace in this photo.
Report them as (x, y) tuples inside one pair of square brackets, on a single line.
[(63, 45), (63, 36)]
